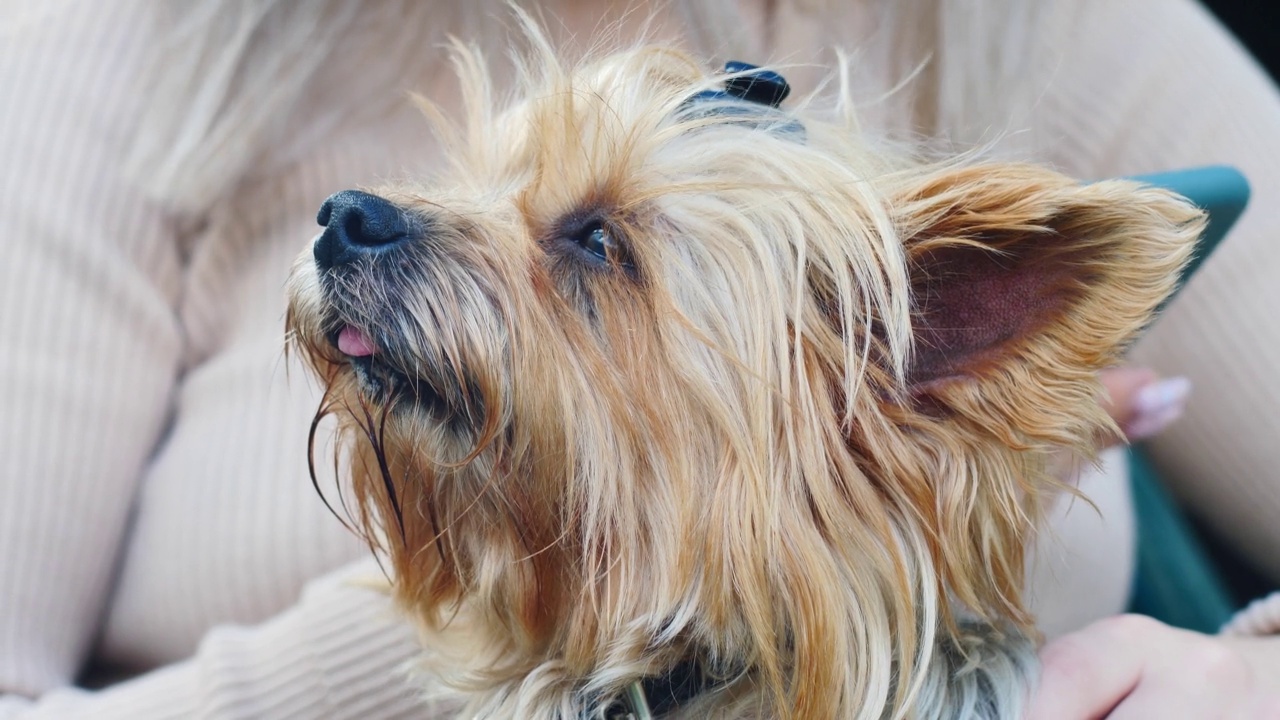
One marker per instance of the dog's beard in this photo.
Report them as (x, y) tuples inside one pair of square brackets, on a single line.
[(759, 429)]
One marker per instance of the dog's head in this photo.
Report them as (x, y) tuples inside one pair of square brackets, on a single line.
[(641, 377)]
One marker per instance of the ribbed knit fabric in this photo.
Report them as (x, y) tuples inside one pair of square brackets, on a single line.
[(155, 509), (1261, 617), (153, 481), (338, 653), (87, 289)]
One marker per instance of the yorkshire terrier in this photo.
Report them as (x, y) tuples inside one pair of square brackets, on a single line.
[(667, 400)]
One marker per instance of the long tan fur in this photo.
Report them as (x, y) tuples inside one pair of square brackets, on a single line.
[(723, 448)]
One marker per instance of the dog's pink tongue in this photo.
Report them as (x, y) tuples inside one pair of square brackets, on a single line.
[(354, 342)]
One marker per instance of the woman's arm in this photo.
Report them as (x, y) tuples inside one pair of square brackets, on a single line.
[(1147, 85), (89, 278), (341, 653)]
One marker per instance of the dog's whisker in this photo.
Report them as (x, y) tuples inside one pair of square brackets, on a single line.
[(325, 410), (375, 438)]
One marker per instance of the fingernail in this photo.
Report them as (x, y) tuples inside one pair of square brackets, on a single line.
[(1157, 406), (1147, 426), (1161, 395)]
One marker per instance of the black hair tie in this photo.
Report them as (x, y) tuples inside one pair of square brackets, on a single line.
[(755, 87), (765, 87)]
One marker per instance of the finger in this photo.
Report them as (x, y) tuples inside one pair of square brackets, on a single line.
[(1142, 403), (1087, 673), (1185, 675), (1266, 707), (1121, 385), (1204, 681), (1171, 702), (1156, 407)]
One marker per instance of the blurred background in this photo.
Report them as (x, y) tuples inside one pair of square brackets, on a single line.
[(1254, 23)]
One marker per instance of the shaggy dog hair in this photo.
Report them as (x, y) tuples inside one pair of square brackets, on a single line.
[(650, 379)]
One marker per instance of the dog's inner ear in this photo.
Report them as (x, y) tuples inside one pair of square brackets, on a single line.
[(976, 302), (1020, 274)]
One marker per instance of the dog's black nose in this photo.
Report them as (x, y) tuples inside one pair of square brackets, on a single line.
[(357, 224)]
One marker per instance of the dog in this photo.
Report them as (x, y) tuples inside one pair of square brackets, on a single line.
[(668, 399)]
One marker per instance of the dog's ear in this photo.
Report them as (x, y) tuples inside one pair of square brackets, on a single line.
[(1026, 282)]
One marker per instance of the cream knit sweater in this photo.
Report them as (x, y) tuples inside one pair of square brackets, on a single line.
[(155, 510)]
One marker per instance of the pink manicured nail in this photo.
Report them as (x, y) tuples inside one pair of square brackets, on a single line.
[(1157, 406)]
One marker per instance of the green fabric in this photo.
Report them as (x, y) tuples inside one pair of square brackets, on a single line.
[(1176, 582), (1179, 581)]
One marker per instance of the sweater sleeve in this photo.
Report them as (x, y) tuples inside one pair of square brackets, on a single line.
[(88, 283), (1147, 85), (1261, 617), (340, 653)]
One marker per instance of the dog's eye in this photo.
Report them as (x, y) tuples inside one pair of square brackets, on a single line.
[(596, 239), (598, 242)]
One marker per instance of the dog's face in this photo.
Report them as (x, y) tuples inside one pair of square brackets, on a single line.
[(640, 378)]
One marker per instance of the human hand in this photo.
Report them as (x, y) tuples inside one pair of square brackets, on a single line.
[(1132, 667), (1141, 402)]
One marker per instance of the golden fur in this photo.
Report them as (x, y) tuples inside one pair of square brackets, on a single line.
[(752, 439)]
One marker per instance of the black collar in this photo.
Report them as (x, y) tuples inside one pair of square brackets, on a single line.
[(655, 696)]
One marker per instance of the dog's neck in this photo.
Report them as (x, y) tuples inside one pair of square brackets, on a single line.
[(658, 695)]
